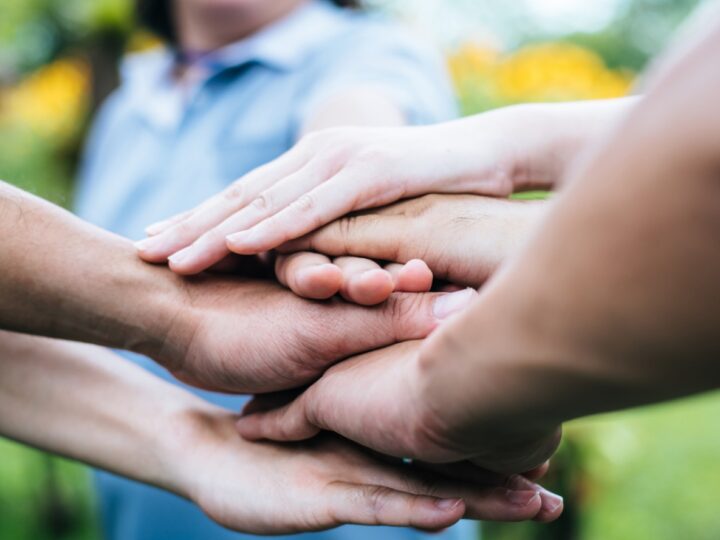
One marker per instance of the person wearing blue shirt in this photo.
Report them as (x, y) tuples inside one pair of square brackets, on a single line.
[(239, 84)]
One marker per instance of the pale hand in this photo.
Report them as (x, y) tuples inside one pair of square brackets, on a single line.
[(332, 172)]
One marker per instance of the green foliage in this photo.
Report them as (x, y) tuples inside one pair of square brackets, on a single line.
[(33, 32), (43, 498)]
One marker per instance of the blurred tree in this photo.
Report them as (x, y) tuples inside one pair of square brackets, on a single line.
[(35, 32)]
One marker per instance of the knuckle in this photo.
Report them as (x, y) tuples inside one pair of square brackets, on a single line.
[(404, 311), (377, 499), (263, 202), (305, 204), (235, 192)]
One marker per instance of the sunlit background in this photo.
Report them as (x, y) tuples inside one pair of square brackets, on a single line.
[(648, 474)]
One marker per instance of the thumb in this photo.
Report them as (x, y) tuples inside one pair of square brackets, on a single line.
[(284, 424), (414, 316)]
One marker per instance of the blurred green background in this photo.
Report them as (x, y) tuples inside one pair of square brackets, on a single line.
[(646, 474)]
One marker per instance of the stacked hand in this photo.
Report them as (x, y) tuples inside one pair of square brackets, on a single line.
[(383, 399), (333, 172), (393, 401), (251, 336), (327, 482)]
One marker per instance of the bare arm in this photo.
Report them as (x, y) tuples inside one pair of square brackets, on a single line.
[(615, 301), (612, 303), (85, 403), (63, 278)]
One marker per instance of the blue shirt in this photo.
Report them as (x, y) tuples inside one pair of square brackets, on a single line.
[(156, 149)]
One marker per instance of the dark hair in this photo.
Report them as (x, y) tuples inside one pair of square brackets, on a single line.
[(156, 15)]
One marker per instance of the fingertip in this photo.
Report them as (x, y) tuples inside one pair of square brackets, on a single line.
[(249, 425), (155, 228), (248, 242), (184, 262), (317, 282), (551, 508), (414, 276), (370, 288), (148, 249)]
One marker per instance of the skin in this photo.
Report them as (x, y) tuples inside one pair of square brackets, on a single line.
[(335, 171), (221, 332), (206, 25), (132, 423), (612, 304), (462, 238)]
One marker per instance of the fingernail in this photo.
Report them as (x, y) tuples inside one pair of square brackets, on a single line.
[(552, 501), (151, 229), (448, 504), (240, 237), (180, 256), (521, 498), (449, 304), (144, 244)]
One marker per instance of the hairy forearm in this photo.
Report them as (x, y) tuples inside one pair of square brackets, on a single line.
[(61, 277), (87, 404)]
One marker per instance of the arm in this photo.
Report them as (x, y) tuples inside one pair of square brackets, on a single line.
[(613, 303), (84, 403), (332, 172), (64, 278)]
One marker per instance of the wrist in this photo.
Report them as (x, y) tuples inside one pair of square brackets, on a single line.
[(550, 140), (194, 437), (163, 311), (487, 380), (475, 418)]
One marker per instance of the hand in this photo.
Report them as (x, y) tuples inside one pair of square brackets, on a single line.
[(318, 277), (398, 402), (461, 238), (330, 173), (273, 489), (244, 336)]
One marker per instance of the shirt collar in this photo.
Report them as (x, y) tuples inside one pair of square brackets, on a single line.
[(282, 45), (287, 42)]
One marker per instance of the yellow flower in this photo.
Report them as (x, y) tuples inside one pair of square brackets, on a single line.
[(540, 72), (52, 101)]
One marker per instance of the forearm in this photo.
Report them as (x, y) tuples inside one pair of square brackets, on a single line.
[(61, 277), (541, 139), (87, 404), (614, 301)]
